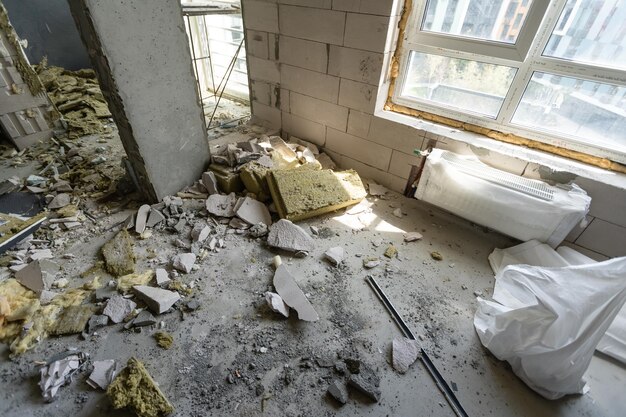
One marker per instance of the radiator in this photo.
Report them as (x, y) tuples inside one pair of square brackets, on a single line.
[(520, 207)]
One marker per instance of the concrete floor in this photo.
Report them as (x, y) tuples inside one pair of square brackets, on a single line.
[(225, 335)]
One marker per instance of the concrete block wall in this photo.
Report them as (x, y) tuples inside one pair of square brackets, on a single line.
[(317, 71)]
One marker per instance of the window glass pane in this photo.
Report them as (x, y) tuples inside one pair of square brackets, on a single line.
[(593, 111), (472, 86), (495, 20), (591, 31)]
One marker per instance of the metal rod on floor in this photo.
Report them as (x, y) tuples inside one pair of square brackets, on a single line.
[(225, 79), (430, 366)]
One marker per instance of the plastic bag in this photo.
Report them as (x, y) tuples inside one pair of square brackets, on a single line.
[(546, 322)]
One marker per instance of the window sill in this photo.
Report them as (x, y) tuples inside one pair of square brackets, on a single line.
[(553, 162)]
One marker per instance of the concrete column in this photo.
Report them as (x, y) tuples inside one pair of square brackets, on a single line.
[(140, 52)]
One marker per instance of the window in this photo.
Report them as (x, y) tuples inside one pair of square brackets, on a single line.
[(552, 71)]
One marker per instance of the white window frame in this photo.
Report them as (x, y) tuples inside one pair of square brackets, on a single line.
[(525, 56)]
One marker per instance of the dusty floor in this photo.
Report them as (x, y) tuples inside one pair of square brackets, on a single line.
[(225, 335)]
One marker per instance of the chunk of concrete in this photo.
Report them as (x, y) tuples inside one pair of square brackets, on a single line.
[(276, 303), (412, 236), (61, 200), (184, 262), (118, 254), (221, 205), (326, 162), (142, 218), (103, 374), (155, 217), (288, 236), (157, 299), (144, 318), (210, 182), (335, 255), (38, 275), (370, 263), (162, 277), (200, 232), (366, 382), (404, 353), (134, 388), (95, 322), (338, 391), (292, 295), (253, 211), (377, 190), (118, 308)]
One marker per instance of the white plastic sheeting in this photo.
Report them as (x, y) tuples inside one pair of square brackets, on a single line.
[(547, 319), (520, 207)]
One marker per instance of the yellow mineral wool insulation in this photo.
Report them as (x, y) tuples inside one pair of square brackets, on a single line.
[(126, 282)]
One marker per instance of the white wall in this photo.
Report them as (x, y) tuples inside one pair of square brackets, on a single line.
[(315, 69)]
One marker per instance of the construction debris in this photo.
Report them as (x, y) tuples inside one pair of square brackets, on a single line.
[(376, 190), (61, 200), (162, 277), (253, 212), (412, 236), (335, 255), (338, 391), (436, 256), (38, 275), (72, 320), (103, 374), (77, 96), (276, 303), (292, 295), (184, 262), (210, 183), (300, 193), (290, 237), (370, 263), (134, 388), (391, 252), (157, 299), (404, 353), (118, 308), (141, 220), (59, 371), (144, 318), (221, 205), (164, 339), (366, 382), (118, 254)]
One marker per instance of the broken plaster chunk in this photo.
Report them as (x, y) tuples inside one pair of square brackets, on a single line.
[(326, 162), (59, 372), (184, 262), (135, 389), (210, 182), (144, 318), (288, 236), (276, 303), (118, 308), (370, 263), (404, 353), (253, 211), (142, 218), (377, 190), (398, 213), (221, 205), (60, 201), (155, 217), (162, 277), (335, 255), (412, 236), (118, 254), (200, 232), (259, 230), (103, 374), (292, 295), (38, 275), (157, 299)]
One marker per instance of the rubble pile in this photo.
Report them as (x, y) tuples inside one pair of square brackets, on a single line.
[(77, 96)]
